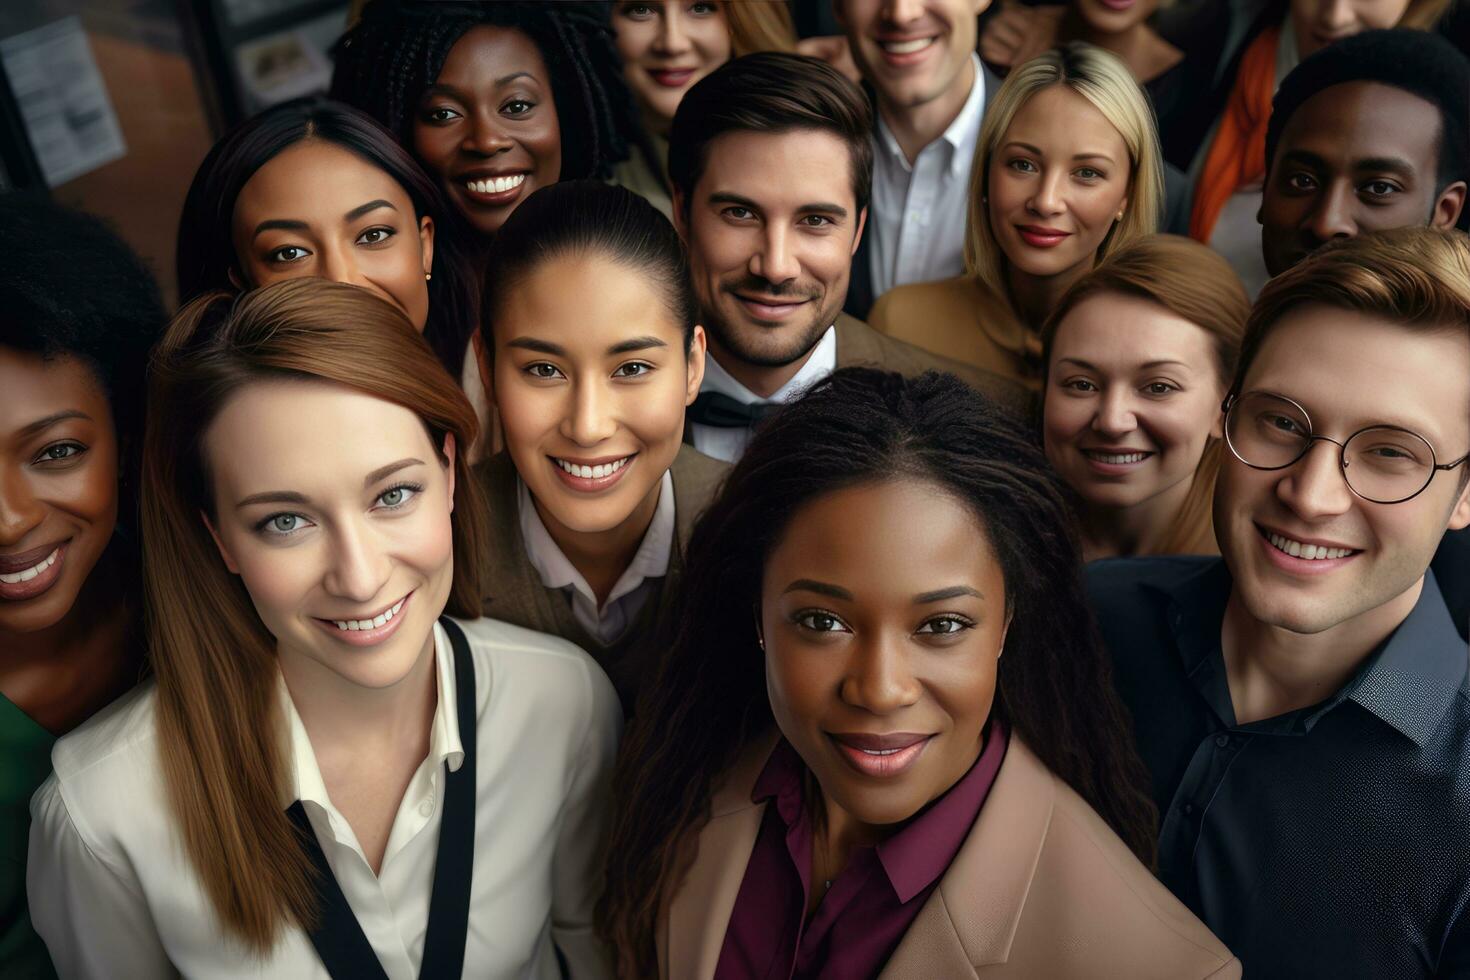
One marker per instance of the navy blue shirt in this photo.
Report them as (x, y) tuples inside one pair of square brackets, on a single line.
[(1333, 841), (1452, 568)]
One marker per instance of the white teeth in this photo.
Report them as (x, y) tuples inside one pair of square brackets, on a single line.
[(1311, 552), (879, 751), (496, 185), (369, 624), (907, 47), (32, 572), (593, 472), (1118, 458)]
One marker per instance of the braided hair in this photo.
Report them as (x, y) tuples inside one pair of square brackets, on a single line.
[(386, 61), (707, 700)]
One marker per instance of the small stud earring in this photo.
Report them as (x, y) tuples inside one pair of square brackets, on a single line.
[(428, 276)]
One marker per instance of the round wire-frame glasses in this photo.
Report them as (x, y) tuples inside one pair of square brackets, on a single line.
[(1398, 470)]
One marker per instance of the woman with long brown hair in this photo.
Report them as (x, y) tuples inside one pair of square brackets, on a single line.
[(836, 773), (320, 781), (1139, 356)]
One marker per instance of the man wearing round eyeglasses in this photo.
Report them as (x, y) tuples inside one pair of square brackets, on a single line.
[(1302, 702)]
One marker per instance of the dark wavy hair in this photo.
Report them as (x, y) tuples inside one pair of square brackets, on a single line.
[(69, 287), (708, 700), (206, 249), (386, 61), (582, 216)]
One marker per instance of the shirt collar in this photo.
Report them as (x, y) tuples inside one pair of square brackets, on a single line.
[(305, 782), (557, 572), (960, 137), (1408, 683), (920, 853), (822, 362)]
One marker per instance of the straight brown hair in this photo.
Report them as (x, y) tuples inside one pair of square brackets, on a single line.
[(1194, 283), (215, 663)]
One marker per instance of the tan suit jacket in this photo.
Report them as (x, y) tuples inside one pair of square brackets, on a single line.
[(1041, 889), (961, 319), (860, 345), (514, 593)]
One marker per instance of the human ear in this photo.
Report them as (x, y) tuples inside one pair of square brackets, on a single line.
[(234, 276), (426, 242), (448, 453), (1460, 516), (861, 225), (1448, 205), (698, 345), (224, 552)]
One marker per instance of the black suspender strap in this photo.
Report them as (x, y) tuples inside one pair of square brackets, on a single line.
[(338, 938)]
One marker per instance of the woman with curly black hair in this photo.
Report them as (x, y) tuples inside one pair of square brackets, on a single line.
[(495, 99), (80, 313)]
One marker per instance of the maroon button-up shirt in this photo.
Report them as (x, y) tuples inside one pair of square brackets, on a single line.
[(870, 904)]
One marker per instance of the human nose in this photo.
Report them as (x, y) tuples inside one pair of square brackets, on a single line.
[(672, 38), (20, 511), (1334, 16), (1115, 415), (879, 678), (340, 265), (590, 420), (1314, 486), (775, 261), (902, 11), (1048, 197), (1333, 216), (484, 136), (358, 568)]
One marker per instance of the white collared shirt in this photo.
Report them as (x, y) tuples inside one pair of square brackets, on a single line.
[(113, 894), (633, 587), (729, 444), (916, 223)]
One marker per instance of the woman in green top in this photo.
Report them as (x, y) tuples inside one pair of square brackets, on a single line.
[(80, 313)]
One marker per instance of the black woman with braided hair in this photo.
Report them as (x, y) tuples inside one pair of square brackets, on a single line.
[(834, 772), (494, 99)]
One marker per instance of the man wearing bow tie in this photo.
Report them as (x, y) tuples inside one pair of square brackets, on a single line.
[(771, 160)]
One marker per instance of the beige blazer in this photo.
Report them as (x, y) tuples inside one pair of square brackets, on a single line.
[(1041, 890), (859, 344), (961, 319)]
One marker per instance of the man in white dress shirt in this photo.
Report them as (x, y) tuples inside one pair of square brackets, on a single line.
[(771, 161), (931, 91)]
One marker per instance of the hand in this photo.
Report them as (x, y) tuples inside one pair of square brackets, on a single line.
[(834, 51), (1018, 33)]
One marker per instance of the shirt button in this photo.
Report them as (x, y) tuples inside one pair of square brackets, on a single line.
[(1222, 740), (426, 808)]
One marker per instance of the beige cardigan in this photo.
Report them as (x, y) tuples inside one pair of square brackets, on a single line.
[(1041, 889)]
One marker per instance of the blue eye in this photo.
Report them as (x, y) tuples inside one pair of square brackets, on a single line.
[(395, 497)]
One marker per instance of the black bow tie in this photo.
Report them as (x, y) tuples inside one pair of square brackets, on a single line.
[(723, 412)]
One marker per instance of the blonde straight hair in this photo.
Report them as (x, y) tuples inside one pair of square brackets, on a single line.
[(1102, 80), (215, 663)]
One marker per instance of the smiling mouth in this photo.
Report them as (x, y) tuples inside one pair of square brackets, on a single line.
[(496, 185), (1302, 550), (596, 472), (34, 571), (881, 756), (1116, 459), (913, 46), (372, 622)]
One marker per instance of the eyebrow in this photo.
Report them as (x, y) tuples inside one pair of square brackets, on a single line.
[(292, 497), (1086, 155), (1147, 365), (453, 92), (814, 207), (557, 350), (953, 592), (42, 424), (1316, 161), (820, 588), (281, 223), (636, 344), (363, 209)]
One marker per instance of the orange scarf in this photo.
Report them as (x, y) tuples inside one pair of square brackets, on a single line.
[(1237, 156)]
